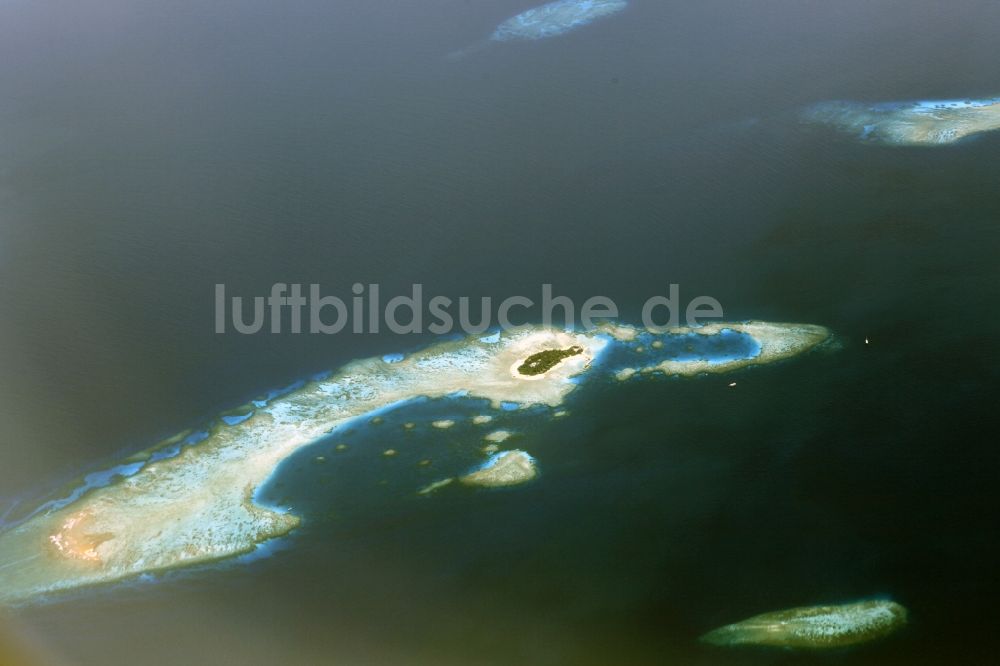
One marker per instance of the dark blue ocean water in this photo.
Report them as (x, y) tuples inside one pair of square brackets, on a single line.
[(150, 150)]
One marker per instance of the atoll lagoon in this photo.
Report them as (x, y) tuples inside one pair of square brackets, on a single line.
[(198, 501), (716, 348), (918, 123), (814, 627)]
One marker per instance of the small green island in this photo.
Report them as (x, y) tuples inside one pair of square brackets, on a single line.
[(543, 361)]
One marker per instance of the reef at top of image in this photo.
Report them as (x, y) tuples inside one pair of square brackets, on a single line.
[(549, 20)]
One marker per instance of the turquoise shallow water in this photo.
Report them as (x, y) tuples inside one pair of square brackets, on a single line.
[(726, 346)]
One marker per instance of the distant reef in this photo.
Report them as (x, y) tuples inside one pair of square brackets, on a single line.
[(814, 627), (917, 123)]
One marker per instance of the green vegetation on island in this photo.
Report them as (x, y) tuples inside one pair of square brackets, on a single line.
[(543, 361)]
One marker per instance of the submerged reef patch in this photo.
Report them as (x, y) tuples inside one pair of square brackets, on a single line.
[(548, 20), (625, 374), (920, 123), (814, 627), (507, 468), (555, 18), (436, 485)]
